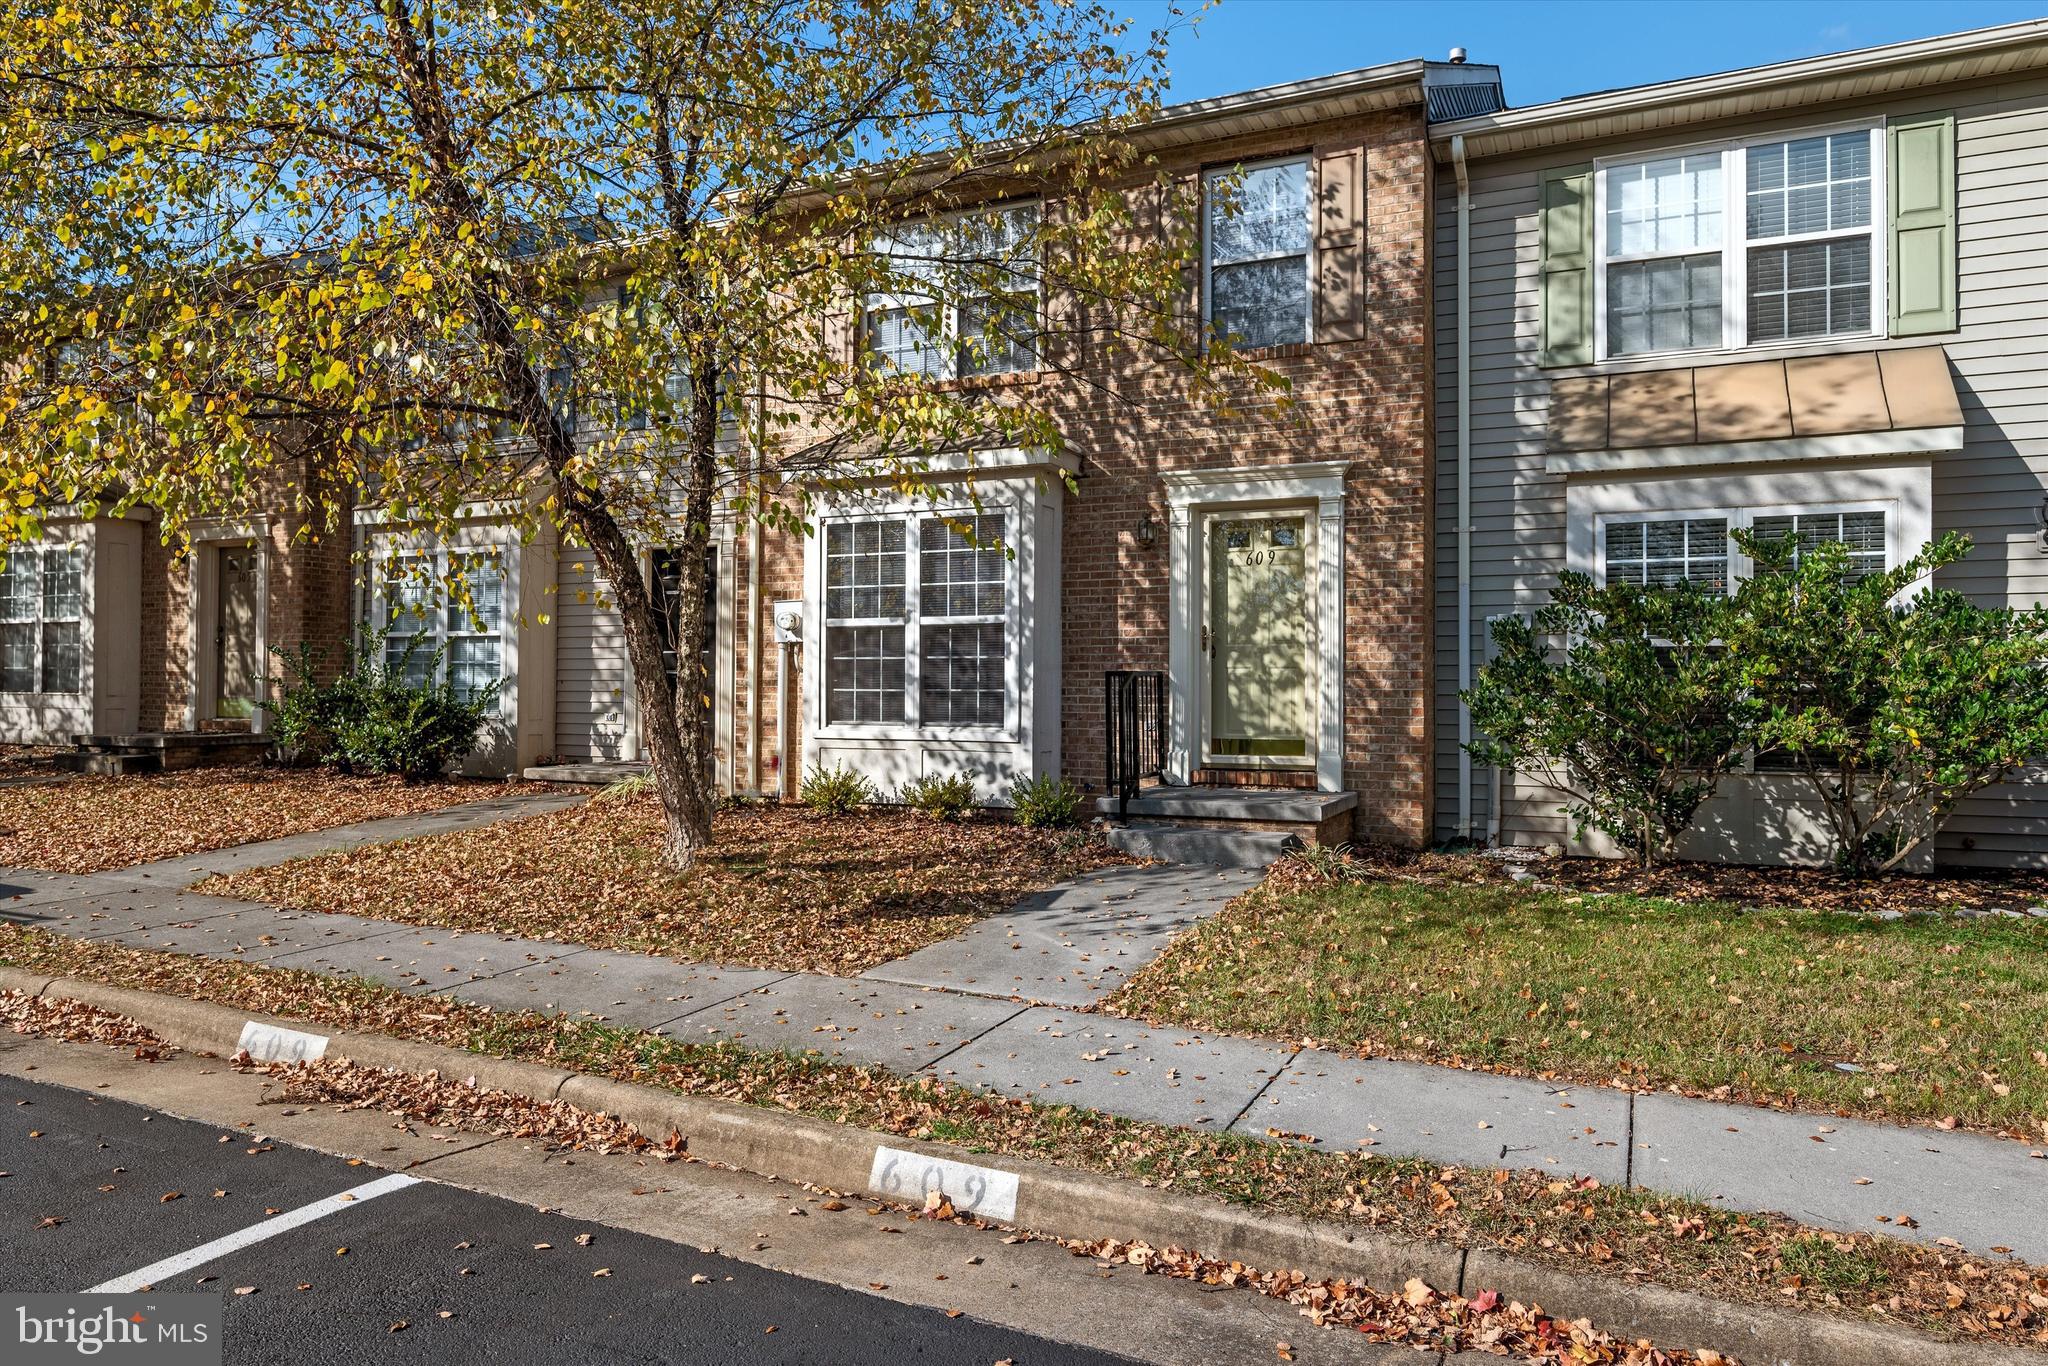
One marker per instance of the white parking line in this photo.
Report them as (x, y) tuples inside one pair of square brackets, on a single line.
[(156, 1272)]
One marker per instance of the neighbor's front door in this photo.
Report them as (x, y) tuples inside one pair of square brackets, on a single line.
[(1258, 638), (236, 671)]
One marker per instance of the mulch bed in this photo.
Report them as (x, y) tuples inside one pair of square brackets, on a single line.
[(1812, 889), (91, 824), (779, 887)]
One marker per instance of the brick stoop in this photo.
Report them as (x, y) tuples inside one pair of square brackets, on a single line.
[(157, 751)]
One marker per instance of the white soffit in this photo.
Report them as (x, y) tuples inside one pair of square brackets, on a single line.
[(1979, 55)]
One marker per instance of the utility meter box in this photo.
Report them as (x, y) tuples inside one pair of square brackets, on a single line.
[(789, 622)]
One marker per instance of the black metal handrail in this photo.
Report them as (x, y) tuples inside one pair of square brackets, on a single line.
[(1134, 709)]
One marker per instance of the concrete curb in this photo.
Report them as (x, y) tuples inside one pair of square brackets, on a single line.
[(1071, 1204)]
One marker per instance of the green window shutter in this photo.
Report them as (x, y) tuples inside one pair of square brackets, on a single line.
[(1567, 232), (1921, 154)]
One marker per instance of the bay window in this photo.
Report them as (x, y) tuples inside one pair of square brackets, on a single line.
[(915, 621), (1750, 243), (1256, 253), (42, 596), (961, 298)]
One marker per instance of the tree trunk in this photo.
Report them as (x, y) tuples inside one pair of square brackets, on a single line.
[(674, 734)]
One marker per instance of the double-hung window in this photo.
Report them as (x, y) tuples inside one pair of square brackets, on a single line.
[(42, 595), (916, 629), (444, 617), (1664, 549), (960, 297), (1256, 257), (1774, 240)]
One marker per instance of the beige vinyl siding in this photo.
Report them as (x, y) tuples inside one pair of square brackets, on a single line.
[(1989, 490), (593, 684)]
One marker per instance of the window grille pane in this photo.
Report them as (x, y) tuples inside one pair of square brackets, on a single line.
[(907, 341), (1809, 289), (1862, 533), (959, 577), (961, 675), (63, 583), (1666, 305), (63, 657), (1669, 205), (1665, 553), (485, 611), (1260, 303), (473, 665), (18, 657), (1809, 185), (1265, 216), (864, 674), (864, 569), (995, 338), (20, 583)]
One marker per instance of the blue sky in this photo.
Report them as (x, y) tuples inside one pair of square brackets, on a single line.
[(1546, 48)]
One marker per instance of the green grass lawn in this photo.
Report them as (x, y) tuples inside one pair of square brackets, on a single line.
[(1945, 1017)]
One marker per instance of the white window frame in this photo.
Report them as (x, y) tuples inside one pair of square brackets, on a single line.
[(40, 619), (949, 341), (913, 620), (1735, 244), (431, 627), (1740, 565), (1308, 258)]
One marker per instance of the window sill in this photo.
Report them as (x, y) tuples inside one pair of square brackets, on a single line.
[(1012, 379), (980, 735), (1286, 351)]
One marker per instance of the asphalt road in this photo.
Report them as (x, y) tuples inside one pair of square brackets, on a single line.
[(460, 1271)]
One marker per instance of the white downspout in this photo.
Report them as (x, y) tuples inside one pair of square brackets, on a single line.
[(1464, 483)]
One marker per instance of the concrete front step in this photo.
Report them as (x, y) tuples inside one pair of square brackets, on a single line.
[(1206, 846), (166, 749), (110, 763), (590, 772)]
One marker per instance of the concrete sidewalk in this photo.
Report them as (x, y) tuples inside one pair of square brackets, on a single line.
[(1006, 1007)]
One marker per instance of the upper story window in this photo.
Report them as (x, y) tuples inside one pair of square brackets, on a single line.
[(1256, 253), (1739, 245), (963, 297)]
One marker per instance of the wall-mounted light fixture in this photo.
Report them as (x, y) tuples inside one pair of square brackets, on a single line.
[(1148, 530), (2041, 524)]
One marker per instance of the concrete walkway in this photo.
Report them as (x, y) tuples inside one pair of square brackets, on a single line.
[(1006, 1007)]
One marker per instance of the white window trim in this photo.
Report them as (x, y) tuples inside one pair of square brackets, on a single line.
[(432, 627), (1735, 244), (913, 726), (1741, 518), (1308, 274), (40, 619), (949, 339)]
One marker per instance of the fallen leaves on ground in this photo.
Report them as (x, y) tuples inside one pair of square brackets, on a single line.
[(779, 887), (1634, 1236), (1417, 1315), (90, 824), (79, 1023), (434, 1100)]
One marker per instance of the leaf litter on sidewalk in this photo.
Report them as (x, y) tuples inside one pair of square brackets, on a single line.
[(1630, 1235)]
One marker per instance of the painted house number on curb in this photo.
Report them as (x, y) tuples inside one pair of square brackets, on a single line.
[(980, 1191), (268, 1043)]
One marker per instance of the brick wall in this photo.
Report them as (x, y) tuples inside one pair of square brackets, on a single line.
[(307, 579), (1368, 402)]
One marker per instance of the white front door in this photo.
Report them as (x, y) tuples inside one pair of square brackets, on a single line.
[(1258, 640)]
